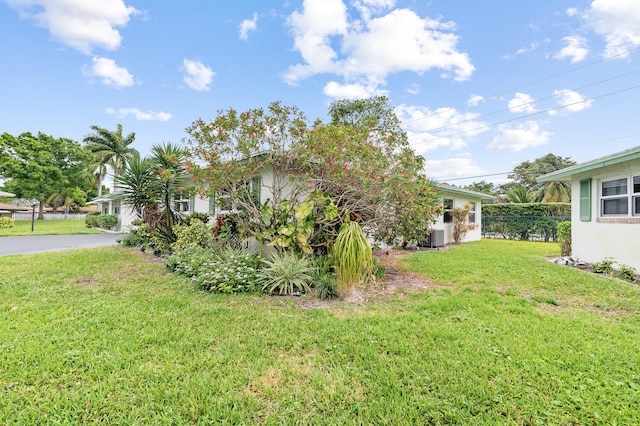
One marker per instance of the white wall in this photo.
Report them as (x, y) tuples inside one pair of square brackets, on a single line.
[(460, 201), (593, 241)]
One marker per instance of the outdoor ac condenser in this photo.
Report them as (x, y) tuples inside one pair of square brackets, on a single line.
[(435, 238)]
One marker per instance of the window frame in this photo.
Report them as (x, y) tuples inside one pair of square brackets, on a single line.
[(631, 196), (447, 216)]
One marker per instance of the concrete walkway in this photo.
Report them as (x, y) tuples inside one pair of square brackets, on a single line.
[(38, 244)]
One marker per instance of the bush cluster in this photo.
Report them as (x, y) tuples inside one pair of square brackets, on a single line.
[(91, 219), (218, 271), (107, 221), (6, 222)]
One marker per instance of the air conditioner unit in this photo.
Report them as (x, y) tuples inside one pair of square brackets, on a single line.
[(435, 238)]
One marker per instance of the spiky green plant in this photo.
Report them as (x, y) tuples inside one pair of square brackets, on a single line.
[(352, 257), (286, 273)]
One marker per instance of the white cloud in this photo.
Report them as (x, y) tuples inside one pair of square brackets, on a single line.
[(576, 49), (522, 102), (413, 89), (451, 168), (517, 138), (139, 115), (352, 91), (572, 11), (109, 73), (444, 127), (198, 76), (532, 46), (571, 101), (618, 21), (247, 26), (81, 24), (475, 100), (374, 46)]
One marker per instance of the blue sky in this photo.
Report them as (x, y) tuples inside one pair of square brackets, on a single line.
[(480, 85)]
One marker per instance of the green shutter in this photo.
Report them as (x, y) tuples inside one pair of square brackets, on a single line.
[(256, 187), (585, 200)]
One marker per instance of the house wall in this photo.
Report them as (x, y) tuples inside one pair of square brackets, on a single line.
[(460, 201), (600, 237)]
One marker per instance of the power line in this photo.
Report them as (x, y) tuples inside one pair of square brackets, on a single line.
[(524, 104), (533, 82), (526, 116)]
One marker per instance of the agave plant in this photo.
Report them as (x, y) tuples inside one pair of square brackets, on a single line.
[(286, 273)]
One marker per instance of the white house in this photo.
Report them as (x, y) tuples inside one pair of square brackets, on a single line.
[(605, 207), (454, 197)]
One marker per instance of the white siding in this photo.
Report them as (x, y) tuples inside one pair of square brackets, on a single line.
[(594, 240)]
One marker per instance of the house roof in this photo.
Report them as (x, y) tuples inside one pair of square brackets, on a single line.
[(564, 175), (450, 188), (11, 207)]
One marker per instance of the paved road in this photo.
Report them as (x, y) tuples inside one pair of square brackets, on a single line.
[(37, 244)]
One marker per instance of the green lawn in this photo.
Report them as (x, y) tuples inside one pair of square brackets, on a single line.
[(48, 227), (100, 336)]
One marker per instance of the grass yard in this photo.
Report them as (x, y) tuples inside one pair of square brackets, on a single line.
[(48, 227), (107, 336)]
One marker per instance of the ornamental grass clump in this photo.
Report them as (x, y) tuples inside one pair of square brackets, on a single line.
[(286, 273), (351, 256)]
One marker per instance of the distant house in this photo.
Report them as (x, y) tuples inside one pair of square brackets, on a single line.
[(9, 210), (115, 204), (454, 197), (605, 207)]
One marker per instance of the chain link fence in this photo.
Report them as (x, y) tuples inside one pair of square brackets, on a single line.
[(525, 228)]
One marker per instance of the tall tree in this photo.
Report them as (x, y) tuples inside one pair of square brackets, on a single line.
[(150, 185), (361, 160), (37, 167), (525, 174), (110, 148), (483, 187)]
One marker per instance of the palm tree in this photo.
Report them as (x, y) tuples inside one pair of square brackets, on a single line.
[(518, 194), (139, 184), (169, 159), (553, 192), (110, 148)]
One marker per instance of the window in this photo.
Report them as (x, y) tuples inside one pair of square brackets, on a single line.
[(635, 199), (448, 207), (620, 197), (181, 203), (585, 200), (225, 203), (472, 212), (256, 187), (116, 207)]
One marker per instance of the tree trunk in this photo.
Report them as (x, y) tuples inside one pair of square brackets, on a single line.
[(41, 211)]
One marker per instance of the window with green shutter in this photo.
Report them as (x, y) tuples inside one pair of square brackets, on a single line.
[(585, 200), (256, 187)]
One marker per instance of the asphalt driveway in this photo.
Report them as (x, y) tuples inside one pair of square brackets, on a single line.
[(38, 244)]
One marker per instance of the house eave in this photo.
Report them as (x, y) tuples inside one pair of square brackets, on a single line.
[(564, 175)]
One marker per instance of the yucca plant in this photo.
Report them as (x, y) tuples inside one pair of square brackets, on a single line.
[(352, 256), (286, 273)]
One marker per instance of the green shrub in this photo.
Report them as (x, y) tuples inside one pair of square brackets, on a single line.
[(132, 239), (627, 273), (327, 286), (231, 271), (196, 216), (6, 222), (603, 267), (195, 234), (91, 219), (286, 274), (107, 221), (564, 237)]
